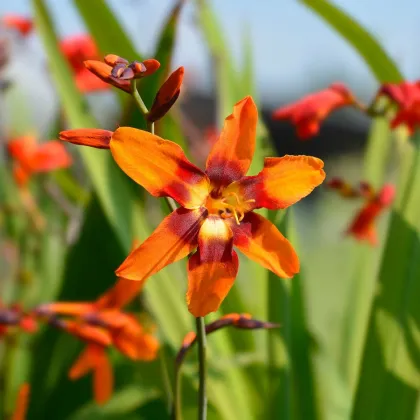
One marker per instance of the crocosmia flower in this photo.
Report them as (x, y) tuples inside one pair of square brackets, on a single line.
[(217, 205), (362, 226), (32, 158), (308, 113), (102, 324)]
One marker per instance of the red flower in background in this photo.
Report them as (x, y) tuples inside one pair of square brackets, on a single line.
[(32, 158), (362, 226), (406, 96), (77, 49), (20, 23), (101, 324), (308, 113)]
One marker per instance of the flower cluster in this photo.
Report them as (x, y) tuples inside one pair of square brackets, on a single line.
[(309, 112)]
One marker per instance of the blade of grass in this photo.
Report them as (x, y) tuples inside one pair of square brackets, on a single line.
[(105, 29), (390, 372), (292, 385), (356, 317), (111, 184)]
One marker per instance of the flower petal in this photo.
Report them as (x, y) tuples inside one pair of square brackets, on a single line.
[(93, 137), (82, 365), (160, 166), (261, 241), (50, 156), (66, 308), (132, 341), (232, 154), (22, 402), (363, 225), (91, 334), (88, 82), (103, 376), (103, 71), (172, 240), (283, 181), (122, 293), (212, 269), (21, 23)]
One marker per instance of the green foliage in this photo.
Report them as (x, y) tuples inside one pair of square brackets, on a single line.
[(367, 368)]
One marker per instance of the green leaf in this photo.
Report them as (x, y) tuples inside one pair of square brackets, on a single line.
[(379, 62), (365, 261), (111, 185), (105, 29), (121, 405), (292, 385), (390, 369)]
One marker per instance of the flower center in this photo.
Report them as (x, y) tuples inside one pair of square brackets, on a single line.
[(227, 204)]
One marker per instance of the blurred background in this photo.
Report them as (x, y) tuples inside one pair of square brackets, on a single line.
[(294, 53)]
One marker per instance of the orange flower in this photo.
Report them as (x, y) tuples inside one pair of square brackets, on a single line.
[(77, 49), (31, 158), (363, 225), (22, 402), (117, 71), (22, 24), (167, 95), (310, 111), (216, 206), (101, 324)]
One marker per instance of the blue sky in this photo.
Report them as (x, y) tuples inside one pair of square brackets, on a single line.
[(294, 50)]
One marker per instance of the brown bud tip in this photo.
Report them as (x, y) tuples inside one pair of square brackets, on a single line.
[(113, 60), (167, 95), (91, 137), (335, 183)]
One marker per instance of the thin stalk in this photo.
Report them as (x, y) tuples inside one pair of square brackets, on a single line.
[(177, 401), (165, 375), (202, 394), (139, 102)]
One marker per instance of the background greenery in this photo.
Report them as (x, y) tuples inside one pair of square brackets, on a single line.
[(363, 363)]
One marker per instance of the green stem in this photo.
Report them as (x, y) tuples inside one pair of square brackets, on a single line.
[(139, 102), (202, 394), (165, 376), (177, 402)]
